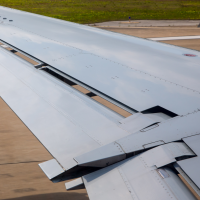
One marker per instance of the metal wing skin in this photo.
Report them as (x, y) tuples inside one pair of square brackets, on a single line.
[(141, 177), (134, 71), (119, 113), (55, 112)]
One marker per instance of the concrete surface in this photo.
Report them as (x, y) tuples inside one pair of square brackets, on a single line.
[(151, 32), (147, 23), (190, 44), (20, 153), (155, 32)]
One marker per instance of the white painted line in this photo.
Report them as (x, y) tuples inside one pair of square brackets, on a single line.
[(176, 38)]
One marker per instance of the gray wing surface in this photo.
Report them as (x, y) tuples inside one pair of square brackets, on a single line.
[(137, 155), (142, 177), (136, 72), (191, 166), (54, 112), (66, 122)]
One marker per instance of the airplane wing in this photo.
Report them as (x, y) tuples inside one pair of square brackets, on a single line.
[(142, 176), (117, 112)]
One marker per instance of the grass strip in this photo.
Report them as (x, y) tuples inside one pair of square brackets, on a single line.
[(92, 11)]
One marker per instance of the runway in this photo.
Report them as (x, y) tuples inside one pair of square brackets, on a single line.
[(20, 154), (187, 37)]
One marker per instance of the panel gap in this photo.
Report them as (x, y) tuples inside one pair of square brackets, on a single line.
[(81, 89), (90, 94), (21, 55), (63, 79), (13, 51), (112, 106), (33, 62), (159, 109)]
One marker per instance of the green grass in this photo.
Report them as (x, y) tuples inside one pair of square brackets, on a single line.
[(91, 11)]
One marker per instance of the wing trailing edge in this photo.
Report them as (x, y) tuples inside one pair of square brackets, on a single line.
[(144, 176)]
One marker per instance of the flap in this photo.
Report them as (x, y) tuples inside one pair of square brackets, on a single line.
[(51, 168), (137, 178)]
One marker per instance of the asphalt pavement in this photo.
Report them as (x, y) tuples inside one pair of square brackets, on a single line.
[(147, 23)]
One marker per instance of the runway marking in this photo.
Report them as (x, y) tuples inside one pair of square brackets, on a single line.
[(176, 38), (129, 22)]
